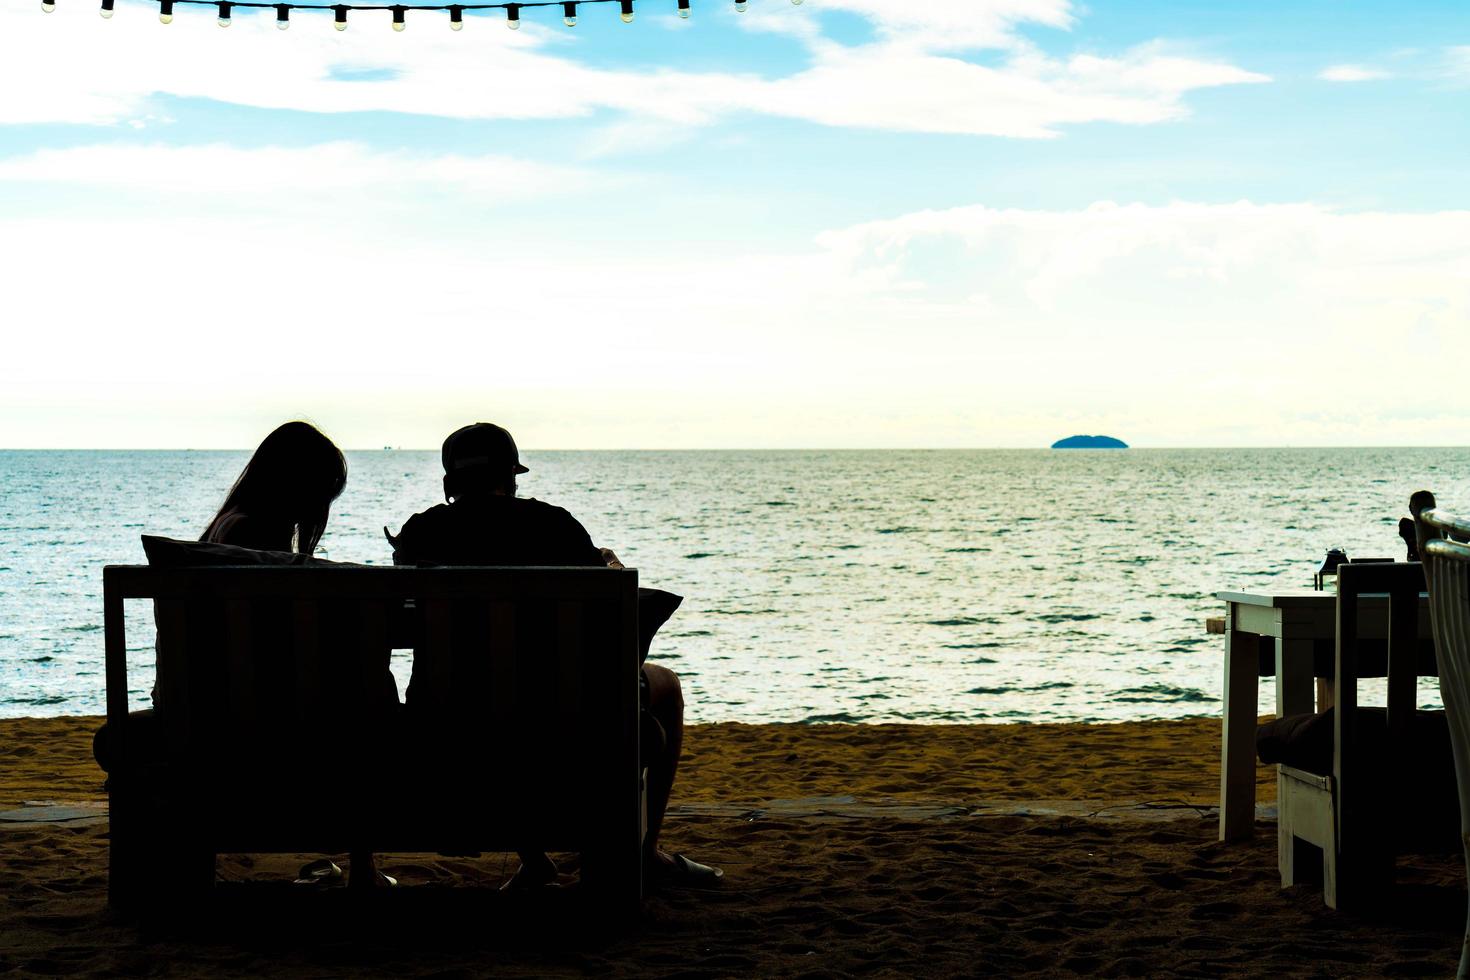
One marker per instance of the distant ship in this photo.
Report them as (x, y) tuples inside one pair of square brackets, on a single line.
[(1089, 442)]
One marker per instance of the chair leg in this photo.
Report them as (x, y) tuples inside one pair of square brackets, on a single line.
[(1329, 875)]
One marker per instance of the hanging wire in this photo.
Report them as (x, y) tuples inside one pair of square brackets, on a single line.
[(456, 10)]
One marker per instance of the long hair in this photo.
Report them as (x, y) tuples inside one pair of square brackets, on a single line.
[(292, 479)]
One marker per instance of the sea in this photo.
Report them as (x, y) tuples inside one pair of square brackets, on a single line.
[(820, 586)]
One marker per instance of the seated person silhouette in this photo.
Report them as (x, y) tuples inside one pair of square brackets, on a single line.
[(281, 501), (485, 523)]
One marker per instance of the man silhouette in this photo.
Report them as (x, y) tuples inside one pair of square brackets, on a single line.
[(483, 522)]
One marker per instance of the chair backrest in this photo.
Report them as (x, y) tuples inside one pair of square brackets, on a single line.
[(1358, 790), (1447, 572), (282, 667)]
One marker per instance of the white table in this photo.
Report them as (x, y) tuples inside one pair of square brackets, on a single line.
[(1297, 621)]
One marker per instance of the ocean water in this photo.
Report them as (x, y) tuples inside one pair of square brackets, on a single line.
[(858, 586)]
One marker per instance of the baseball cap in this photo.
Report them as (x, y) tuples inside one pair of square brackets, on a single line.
[(480, 444)]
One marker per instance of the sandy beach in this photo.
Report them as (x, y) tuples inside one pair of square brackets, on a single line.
[(1047, 850)]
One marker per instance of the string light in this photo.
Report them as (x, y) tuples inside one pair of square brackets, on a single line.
[(399, 11), (47, 6)]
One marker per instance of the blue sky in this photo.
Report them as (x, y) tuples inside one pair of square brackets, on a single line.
[(848, 223)]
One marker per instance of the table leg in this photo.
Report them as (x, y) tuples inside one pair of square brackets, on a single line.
[(1294, 687), (1238, 735)]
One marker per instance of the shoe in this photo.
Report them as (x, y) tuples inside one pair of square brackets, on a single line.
[(319, 873), (684, 873), (378, 880)]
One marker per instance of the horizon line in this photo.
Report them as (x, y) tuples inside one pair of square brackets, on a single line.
[(722, 449)]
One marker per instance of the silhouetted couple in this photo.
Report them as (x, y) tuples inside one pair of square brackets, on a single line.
[(281, 502)]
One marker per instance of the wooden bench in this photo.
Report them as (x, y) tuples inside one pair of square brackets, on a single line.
[(274, 734)]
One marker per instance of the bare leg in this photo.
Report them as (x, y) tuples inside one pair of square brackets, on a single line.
[(666, 704), (362, 870)]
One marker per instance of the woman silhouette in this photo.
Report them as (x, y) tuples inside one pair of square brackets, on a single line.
[(282, 497), (279, 502)]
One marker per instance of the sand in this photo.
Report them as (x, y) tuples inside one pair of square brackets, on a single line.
[(849, 850)]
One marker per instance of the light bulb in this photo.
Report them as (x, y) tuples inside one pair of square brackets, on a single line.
[(684, 9), (47, 6), (513, 16), (456, 18), (283, 16), (627, 13), (166, 11), (339, 21), (106, 10), (740, 6), (796, 3), (224, 15), (569, 14), (399, 22)]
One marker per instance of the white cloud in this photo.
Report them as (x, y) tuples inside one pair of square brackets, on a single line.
[(331, 167), (1457, 63), (1352, 73), (1185, 323), (933, 25), (892, 87), (76, 68)]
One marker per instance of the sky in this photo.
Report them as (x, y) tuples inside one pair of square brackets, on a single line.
[(844, 223)]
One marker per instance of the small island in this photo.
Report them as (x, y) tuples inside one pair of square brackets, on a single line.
[(1089, 442)]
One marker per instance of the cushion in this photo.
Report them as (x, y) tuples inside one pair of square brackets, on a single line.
[(655, 606), (172, 553), (1305, 741)]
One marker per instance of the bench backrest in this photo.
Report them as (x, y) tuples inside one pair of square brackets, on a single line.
[(517, 671)]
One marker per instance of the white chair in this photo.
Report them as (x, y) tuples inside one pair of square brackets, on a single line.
[(1447, 573), (1335, 813)]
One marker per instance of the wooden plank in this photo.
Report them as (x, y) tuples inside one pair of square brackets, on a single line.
[(1403, 684), (1294, 677), (569, 666), (307, 654), (1260, 620), (439, 645), (240, 661), (364, 582), (1344, 721), (503, 655), (1238, 737), (170, 616), (115, 655), (373, 652)]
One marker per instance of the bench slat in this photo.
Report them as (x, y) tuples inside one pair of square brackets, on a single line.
[(241, 661), (171, 616), (500, 647), (306, 647)]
